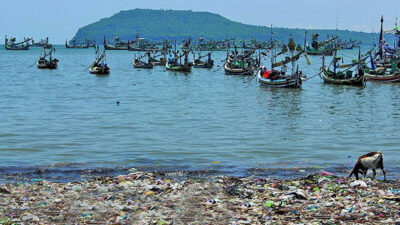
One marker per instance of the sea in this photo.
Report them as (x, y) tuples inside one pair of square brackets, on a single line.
[(66, 125)]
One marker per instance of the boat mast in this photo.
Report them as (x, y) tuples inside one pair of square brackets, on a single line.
[(334, 62), (381, 39), (272, 50)]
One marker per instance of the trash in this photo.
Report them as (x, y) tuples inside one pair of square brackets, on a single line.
[(216, 162), (5, 221), (349, 210), (269, 204), (87, 215), (162, 222), (358, 183), (4, 191), (132, 170), (314, 207), (36, 180), (172, 198)]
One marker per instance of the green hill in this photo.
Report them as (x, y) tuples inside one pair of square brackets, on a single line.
[(178, 24)]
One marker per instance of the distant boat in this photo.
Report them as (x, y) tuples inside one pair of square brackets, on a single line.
[(320, 48), (11, 45), (119, 45), (161, 61), (141, 44), (46, 60), (74, 45), (138, 63), (199, 63), (42, 43)]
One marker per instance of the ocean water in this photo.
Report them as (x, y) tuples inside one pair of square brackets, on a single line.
[(65, 124)]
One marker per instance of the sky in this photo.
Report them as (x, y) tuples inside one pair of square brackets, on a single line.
[(61, 19)]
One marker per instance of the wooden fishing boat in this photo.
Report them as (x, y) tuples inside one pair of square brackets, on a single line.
[(77, 46), (238, 69), (384, 73), (320, 48), (385, 77), (44, 63), (119, 45), (198, 63), (140, 44), (177, 67), (175, 63), (240, 63), (44, 43), (12, 45), (385, 65), (138, 63), (99, 66), (294, 81), (99, 69), (345, 77), (160, 59), (281, 78)]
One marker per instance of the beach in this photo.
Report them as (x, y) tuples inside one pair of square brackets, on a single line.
[(154, 198)]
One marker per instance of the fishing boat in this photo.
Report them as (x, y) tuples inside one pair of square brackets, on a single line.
[(240, 63), (199, 63), (385, 65), (160, 59), (118, 44), (320, 48), (100, 66), (141, 44), (74, 45), (46, 60), (280, 77), (44, 43), (138, 63), (382, 75), (175, 62), (347, 76), (211, 45), (12, 45)]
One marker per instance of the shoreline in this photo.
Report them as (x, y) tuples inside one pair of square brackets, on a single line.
[(148, 198)]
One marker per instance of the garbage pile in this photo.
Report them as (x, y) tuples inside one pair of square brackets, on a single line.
[(148, 198)]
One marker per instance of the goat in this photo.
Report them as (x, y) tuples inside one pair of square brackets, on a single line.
[(372, 160)]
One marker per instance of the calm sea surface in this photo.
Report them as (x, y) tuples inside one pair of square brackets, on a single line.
[(65, 123)]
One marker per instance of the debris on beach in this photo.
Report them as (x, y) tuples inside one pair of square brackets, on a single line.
[(148, 198)]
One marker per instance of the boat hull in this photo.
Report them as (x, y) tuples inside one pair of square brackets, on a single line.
[(99, 70), (178, 68), (16, 48), (143, 66), (46, 64), (279, 83), (383, 78), (238, 71), (357, 81)]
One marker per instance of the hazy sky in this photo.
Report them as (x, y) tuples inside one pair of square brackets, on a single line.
[(60, 19)]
